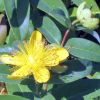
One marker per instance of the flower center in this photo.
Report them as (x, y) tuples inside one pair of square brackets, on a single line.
[(31, 60)]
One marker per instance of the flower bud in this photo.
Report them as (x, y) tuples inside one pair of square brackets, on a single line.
[(91, 23), (84, 15), (79, 11)]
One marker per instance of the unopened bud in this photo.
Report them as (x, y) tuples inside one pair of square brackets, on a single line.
[(91, 23), (84, 15)]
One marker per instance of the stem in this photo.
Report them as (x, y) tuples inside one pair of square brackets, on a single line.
[(65, 36), (67, 31), (45, 86), (36, 88), (75, 21)]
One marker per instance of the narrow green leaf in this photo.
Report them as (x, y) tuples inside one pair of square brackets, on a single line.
[(55, 9), (11, 37), (46, 97), (26, 91), (4, 71), (94, 76), (9, 8), (20, 90), (93, 5), (1, 6), (18, 17), (6, 49), (93, 95), (23, 15), (72, 12), (50, 30), (77, 2), (84, 49), (27, 81), (96, 67), (78, 89), (11, 97)]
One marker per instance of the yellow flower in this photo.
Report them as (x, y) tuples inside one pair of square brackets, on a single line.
[(34, 58)]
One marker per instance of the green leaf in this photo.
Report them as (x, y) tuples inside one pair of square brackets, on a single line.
[(26, 91), (50, 30), (20, 90), (78, 90), (77, 2), (93, 5), (27, 81), (76, 70), (47, 95), (11, 97), (94, 76), (93, 95), (1, 6), (84, 49), (6, 49), (18, 17), (3, 78), (55, 9), (96, 67), (4, 71), (72, 12), (11, 37), (31, 27)]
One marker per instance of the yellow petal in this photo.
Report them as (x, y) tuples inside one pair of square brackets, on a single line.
[(12, 60), (41, 75), (36, 36), (51, 58), (55, 55), (20, 73), (62, 53), (22, 48)]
